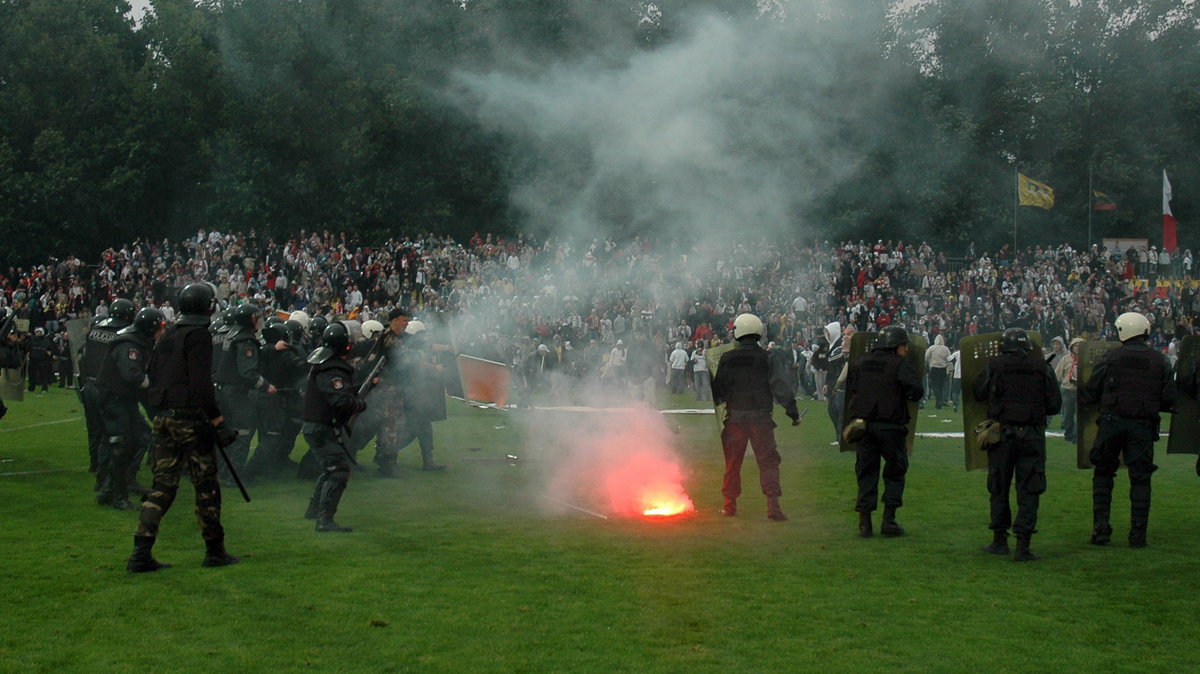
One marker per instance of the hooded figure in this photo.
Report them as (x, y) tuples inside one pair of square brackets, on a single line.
[(937, 359)]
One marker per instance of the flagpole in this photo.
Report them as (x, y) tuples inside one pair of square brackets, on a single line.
[(1090, 205), (1016, 207)]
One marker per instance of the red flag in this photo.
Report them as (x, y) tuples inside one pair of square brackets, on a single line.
[(1168, 237)]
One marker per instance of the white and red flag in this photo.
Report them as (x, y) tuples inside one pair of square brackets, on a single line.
[(1168, 238)]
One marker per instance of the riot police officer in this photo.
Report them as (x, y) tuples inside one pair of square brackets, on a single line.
[(749, 386), (187, 422), (330, 400), (283, 368), (95, 350), (124, 381), (240, 382), (316, 331), (1021, 392), (1132, 385), (879, 388)]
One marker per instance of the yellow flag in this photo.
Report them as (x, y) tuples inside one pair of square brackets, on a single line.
[(1033, 193)]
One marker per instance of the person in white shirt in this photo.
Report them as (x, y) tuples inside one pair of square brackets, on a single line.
[(678, 360), (700, 373)]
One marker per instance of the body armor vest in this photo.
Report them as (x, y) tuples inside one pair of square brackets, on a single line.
[(1019, 393), (110, 376), (226, 364), (171, 385), (316, 406), (747, 370), (1133, 383), (877, 396), (95, 349)]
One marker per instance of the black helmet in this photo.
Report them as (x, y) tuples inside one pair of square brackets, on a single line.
[(1014, 340), (892, 338), (295, 331), (148, 321), (274, 330), (245, 314), (317, 325), (122, 310), (197, 298), (336, 337)]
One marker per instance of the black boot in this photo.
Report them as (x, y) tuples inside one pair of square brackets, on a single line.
[(864, 525), (999, 545), (427, 460), (730, 508), (890, 527), (774, 512), (141, 560), (325, 523), (1023, 553), (388, 469), (311, 512), (1101, 530), (216, 555), (1137, 536)]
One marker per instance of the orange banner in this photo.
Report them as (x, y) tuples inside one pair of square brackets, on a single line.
[(484, 381)]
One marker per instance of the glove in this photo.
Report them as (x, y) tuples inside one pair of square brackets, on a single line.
[(795, 419), (225, 435), (359, 406)]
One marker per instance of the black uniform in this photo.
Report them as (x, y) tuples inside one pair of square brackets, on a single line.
[(1021, 391), (95, 351), (880, 386), (123, 382), (285, 370), (41, 362), (1132, 384), (329, 401), (749, 386), (240, 383), (181, 393)]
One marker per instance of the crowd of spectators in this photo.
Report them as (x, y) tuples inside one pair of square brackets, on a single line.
[(603, 307)]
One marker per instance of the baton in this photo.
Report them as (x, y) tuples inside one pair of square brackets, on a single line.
[(342, 442), (233, 472)]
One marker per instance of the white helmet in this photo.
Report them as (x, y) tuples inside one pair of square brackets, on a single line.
[(747, 324), (1132, 324), (300, 317), (371, 328), (414, 328)]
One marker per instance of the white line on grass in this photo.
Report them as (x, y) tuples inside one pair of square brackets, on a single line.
[(45, 472), (582, 510), (44, 423)]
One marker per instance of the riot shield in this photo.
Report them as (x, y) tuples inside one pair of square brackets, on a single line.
[(77, 330), (712, 358), (1088, 415), (975, 352), (1185, 421), (861, 344)]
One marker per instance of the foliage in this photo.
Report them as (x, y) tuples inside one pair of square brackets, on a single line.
[(281, 115)]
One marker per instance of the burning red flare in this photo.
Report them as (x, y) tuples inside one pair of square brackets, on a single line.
[(647, 483)]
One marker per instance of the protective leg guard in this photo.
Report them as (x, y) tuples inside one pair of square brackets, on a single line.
[(890, 527), (142, 561), (999, 544)]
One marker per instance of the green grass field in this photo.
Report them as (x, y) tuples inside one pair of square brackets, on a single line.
[(467, 571)]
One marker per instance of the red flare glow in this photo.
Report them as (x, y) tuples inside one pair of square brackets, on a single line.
[(648, 483)]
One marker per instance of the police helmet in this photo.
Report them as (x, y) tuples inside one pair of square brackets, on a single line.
[(1132, 324), (245, 314), (747, 324), (414, 328), (122, 310), (148, 321), (317, 325), (295, 330), (892, 338), (301, 317), (274, 330), (371, 328), (336, 337), (196, 298), (1015, 340)]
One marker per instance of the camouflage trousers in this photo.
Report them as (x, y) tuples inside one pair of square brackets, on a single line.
[(183, 441)]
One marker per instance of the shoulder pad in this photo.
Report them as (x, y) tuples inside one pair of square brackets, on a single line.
[(320, 356)]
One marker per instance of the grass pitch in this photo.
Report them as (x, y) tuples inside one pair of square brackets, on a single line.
[(467, 571)]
